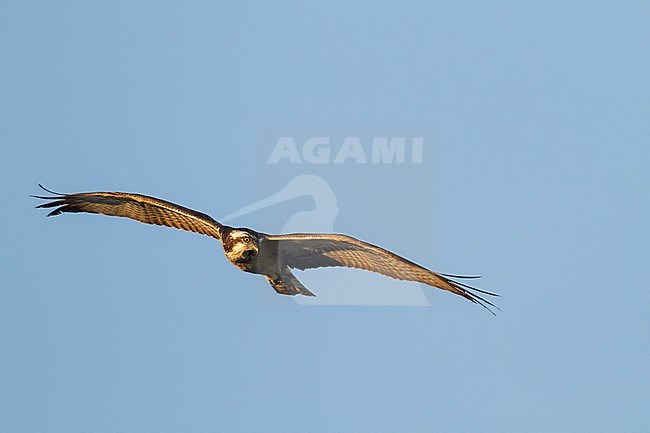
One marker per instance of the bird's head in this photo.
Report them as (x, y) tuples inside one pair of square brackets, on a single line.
[(241, 246)]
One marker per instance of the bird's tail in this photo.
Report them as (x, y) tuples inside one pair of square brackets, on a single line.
[(288, 284), (297, 286)]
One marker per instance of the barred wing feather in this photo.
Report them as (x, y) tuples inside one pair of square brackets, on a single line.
[(142, 208), (310, 250)]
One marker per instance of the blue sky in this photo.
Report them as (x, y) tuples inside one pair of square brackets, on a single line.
[(535, 118)]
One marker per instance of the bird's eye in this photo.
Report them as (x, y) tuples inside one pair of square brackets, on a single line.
[(246, 239)]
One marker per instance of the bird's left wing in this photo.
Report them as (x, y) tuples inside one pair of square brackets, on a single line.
[(148, 210), (312, 250)]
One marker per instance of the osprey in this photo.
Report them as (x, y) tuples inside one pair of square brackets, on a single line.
[(259, 253)]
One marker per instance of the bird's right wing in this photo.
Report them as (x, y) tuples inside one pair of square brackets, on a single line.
[(148, 210)]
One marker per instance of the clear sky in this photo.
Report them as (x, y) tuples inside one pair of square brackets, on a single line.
[(534, 174)]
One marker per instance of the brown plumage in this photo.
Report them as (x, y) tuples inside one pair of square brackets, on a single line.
[(270, 255)]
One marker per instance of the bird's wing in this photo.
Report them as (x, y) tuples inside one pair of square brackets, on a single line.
[(307, 251), (138, 207)]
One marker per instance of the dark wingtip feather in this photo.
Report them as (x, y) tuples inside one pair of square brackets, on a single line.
[(50, 191), (485, 304), (55, 212), (481, 301), (464, 277), (471, 293), (49, 204), (485, 292), (58, 200), (57, 195)]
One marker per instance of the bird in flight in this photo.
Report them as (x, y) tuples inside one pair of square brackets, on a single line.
[(273, 256)]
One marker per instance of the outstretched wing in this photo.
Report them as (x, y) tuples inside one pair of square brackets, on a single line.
[(138, 207), (307, 251)]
